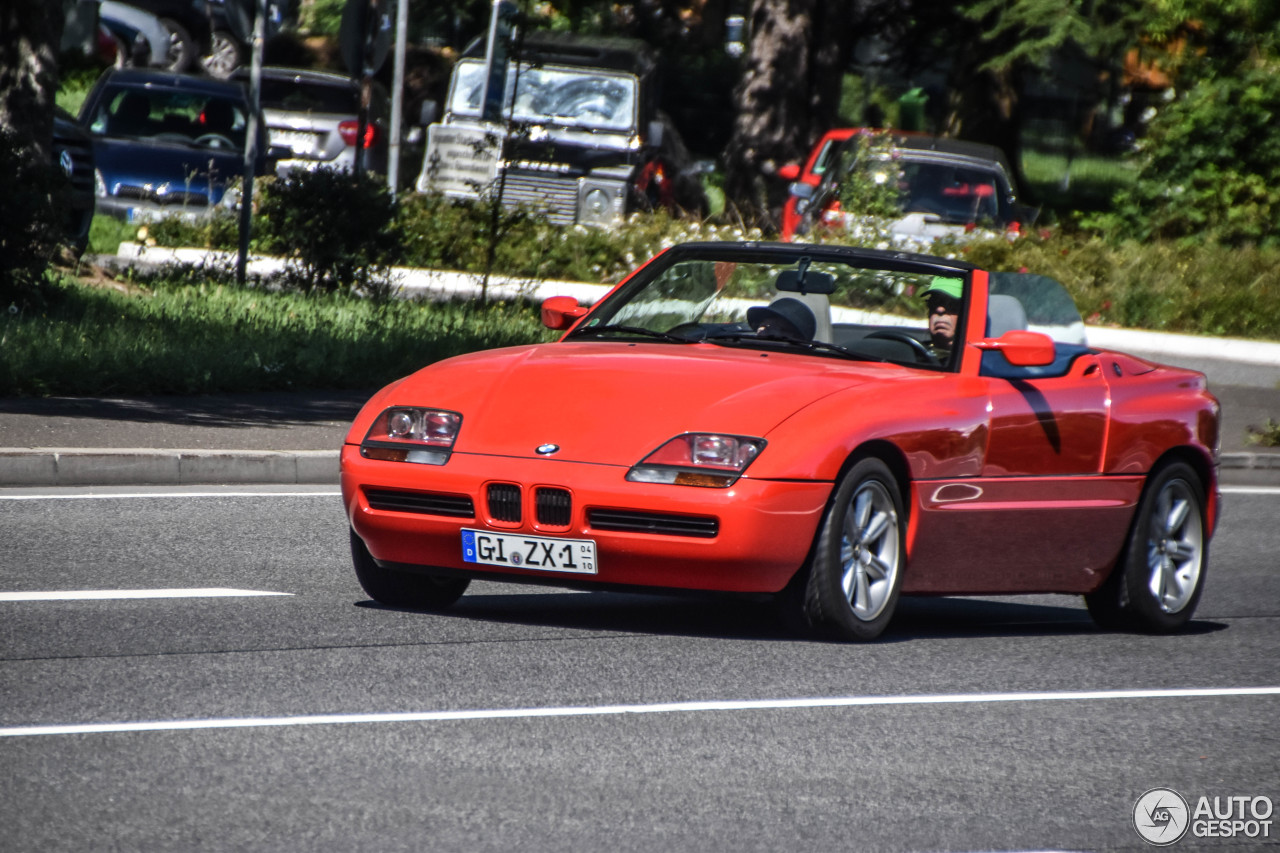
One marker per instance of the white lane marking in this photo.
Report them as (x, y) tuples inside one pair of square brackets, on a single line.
[(133, 495), (663, 708), (118, 594), (1249, 490)]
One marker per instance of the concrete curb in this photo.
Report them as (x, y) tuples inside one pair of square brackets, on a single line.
[(59, 466), (62, 466)]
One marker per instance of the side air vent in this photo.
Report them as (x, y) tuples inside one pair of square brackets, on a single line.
[(631, 521), (504, 502), (426, 503), (554, 507)]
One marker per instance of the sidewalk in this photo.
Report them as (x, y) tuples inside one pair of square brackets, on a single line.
[(286, 438)]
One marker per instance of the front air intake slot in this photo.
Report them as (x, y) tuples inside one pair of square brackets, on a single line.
[(425, 503), (504, 502), (554, 507), (632, 521)]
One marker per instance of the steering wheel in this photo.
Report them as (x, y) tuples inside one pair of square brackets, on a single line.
[(910, 340), (214, 140), (692, 330)]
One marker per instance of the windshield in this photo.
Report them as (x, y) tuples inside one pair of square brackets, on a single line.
[(170, 116), (578, 97), (855, 309)]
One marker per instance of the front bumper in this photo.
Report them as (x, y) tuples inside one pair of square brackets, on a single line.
[(762, 533)]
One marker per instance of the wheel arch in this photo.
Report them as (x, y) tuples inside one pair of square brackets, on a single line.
[(1203, 466), (893, 458)]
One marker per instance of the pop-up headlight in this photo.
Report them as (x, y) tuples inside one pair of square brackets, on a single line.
[(411, 434), (698, 459)]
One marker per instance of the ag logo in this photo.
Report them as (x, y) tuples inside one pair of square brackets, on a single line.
[(1161, 816)]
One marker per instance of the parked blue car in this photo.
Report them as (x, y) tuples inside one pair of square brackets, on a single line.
[(168, 144)]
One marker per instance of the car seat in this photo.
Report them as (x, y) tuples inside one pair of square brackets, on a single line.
[(1004, 314)]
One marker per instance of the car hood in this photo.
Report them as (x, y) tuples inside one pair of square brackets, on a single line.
[(614, 402), (181, 167)]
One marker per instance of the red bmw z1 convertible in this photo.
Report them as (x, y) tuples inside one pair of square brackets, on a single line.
[(832, 426)]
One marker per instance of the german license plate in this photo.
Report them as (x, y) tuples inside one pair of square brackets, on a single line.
[(299, 141), (529, 552)]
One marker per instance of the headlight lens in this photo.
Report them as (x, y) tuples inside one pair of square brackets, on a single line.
[(712, 460), (412, 434)]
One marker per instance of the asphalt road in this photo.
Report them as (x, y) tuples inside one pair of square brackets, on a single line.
[(600, 719)]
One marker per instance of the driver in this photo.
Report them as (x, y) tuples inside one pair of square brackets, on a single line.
[(942, 297), (783, 318)]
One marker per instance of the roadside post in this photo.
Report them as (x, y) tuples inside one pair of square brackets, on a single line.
[(251, 139)]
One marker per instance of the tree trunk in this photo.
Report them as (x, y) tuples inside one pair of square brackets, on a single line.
[(789, 94), (772, 101), (30, 32)]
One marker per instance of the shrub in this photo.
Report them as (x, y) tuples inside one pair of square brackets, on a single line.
[(1210, 167), (336, 227)]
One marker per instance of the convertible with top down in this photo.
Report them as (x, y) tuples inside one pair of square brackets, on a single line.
[(830, 426)]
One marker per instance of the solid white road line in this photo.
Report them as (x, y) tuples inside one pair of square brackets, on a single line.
[(665, 708), (118, 594), (265, 493)]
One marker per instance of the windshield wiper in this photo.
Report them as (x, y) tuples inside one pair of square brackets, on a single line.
[(613, 328), (816, 346)]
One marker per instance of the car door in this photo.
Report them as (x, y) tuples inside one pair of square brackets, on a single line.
[(1041, 516)]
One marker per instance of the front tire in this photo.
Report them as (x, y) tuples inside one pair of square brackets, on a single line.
[(859, 557), (401, 589), (182, 48), (1157, 585)]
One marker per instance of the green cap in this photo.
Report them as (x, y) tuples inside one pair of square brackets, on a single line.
[(952, 287)]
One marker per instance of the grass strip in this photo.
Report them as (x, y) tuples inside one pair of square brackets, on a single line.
[(211, 338)]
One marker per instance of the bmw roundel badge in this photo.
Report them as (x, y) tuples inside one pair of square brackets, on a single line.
[(547, 449)]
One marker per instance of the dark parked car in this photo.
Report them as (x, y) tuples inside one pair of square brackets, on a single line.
[(73, 156), (314, 114), (166, 143), (586, 140)]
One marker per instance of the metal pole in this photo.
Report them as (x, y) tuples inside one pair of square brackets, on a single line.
[(251, 139), (397, 96)]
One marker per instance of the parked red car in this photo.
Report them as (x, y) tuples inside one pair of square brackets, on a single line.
[(810, 173), (831, 426)]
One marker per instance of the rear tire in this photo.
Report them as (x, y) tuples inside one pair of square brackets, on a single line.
[(225, 56), (1157, 584), (402, 589), (856, 573)]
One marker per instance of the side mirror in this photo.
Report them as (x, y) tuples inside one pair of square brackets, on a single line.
[(428, 113), (560, 312), (1021, 348), (800, 189), (657, 130), (789, 172)]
